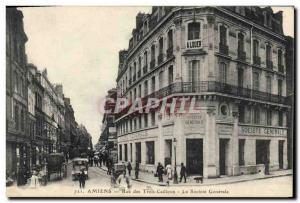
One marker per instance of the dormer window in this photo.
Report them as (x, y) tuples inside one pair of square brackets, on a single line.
[(193, 31)]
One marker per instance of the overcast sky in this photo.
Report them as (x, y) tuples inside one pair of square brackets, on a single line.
[(79, 47)]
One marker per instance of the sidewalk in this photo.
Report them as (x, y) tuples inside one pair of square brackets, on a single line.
[(150, 179)]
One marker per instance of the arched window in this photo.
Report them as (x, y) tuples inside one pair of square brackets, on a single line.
[(193, 31)]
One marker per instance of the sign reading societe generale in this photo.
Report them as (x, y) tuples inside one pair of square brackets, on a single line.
[(262, 131)]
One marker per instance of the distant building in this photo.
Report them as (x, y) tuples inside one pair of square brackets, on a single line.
[(232, 61)]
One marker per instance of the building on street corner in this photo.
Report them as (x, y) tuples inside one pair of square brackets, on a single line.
[(229, 63)]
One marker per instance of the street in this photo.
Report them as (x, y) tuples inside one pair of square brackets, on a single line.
[(98, 185)]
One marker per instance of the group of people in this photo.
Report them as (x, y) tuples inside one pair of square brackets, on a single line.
[(161, 171), (99, 160)]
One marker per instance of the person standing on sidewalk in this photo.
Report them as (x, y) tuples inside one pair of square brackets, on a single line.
[(82, 179), (137, 169), (183, 173), (129, 168), (160, 172)]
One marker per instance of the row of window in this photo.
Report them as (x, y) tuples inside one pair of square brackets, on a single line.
[(128, 152), (19, 117)]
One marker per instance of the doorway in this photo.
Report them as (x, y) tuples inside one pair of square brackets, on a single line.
[(168, 152), (223, 153), (194, 156), (262, 151), (138, 152), (280, 153)]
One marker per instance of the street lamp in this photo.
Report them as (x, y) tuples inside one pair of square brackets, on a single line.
[(175, 168)]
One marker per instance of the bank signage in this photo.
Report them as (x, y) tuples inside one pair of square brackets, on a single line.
[(193, 123), (261, 131), (193, 44), (224, 129)]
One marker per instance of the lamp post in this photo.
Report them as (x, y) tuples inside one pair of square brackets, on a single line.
[(175, 168)]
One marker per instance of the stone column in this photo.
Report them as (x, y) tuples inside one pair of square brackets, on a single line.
[(285, 161), (133, 153), (143, 152), (235, 145), (211, 149), (274, 164)]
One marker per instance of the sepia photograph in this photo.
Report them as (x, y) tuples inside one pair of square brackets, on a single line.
[(150, 101)]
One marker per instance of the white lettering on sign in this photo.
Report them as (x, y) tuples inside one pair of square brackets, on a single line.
[(193, 44), (225, 129), (193, 123), (263, 131)]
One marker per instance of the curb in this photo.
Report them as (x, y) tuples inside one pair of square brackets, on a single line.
[(208, 184)]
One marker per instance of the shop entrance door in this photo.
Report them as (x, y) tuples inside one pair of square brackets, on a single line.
[(262, 151), (194, 156), (223, 155), (280, 153)]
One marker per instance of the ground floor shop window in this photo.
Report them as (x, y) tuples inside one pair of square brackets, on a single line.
[(242, 152), (126, 152), (262, 151), (131, 152), (120, 152), (150, 158)]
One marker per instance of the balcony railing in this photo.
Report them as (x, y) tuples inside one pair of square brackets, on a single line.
[(139, 74), (241, 55), (212, 86), (160, 58), (280, 68), (145, 69), (223, 49), (130, 81), (256, 60), (152, 64), (170, 52), (269, 64)]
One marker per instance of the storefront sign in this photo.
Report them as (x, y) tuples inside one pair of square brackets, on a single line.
[(193, 44), (225, 129), (193, 123), (262, 131)]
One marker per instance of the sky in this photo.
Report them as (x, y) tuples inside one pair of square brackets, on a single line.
[(79, 46)]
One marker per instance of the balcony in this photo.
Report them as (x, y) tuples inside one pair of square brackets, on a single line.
[(170, 52), (160, 58), (280, 68), (145, 69), (241, 55), (152, 64), (269, 64), (223, 49), (256, 60), (139, 74)]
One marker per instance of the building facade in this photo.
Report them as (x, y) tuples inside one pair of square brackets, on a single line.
[(17, 139), (229, 62)]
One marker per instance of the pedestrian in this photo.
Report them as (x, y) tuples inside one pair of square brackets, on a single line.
[(183, 173), (82, 179), (169, 171), (124, 181), (160, 172), (267, 171), (137, 169), (34, 180), (109, 166), (100, 159), (96, 161), (129, 168)]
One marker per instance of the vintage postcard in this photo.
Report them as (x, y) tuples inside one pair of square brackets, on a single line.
[(151, 102)]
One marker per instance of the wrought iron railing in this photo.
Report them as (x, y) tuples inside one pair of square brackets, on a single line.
[(152, 64), (145, 69), (269, 64), (256, 60), (223, 49), (160, 58), (170, 52), (241, 55)]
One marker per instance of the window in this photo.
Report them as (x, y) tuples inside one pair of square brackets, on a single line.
[(240, 77), (126, 152), (170, 75), (120, 152), (140, 91), (193, 31), (256, 116), (134, 124), (223, 72), (240, 42), (140, 121), (160, 78), (161, 45), (153, 52), (269, 84), (170, 38), (241, 152), (153, 84), (280, 118), (131, 152), (134, 94), (255, 81), (280, 87), (153, 118), (268, 53), (255, 48), (223, 35), (279, 58), (241, 114), (145, 59), (17, 117), (138, 152), (224, 110), (146, 88), (269, 117), (145, 120), (139, 66), (150, 158), (22, 119), (194, 71)]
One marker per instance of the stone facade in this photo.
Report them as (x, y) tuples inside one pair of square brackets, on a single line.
[(234, 67)]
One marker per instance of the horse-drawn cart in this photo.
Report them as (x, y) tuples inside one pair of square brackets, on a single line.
[(55, 165)]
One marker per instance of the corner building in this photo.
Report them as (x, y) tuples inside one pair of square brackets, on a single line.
[(232, 60)]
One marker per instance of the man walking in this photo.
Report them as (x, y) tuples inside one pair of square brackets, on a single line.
[(137, 169), (82, 179), (183, 173), (160, 172), (129, 168)]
